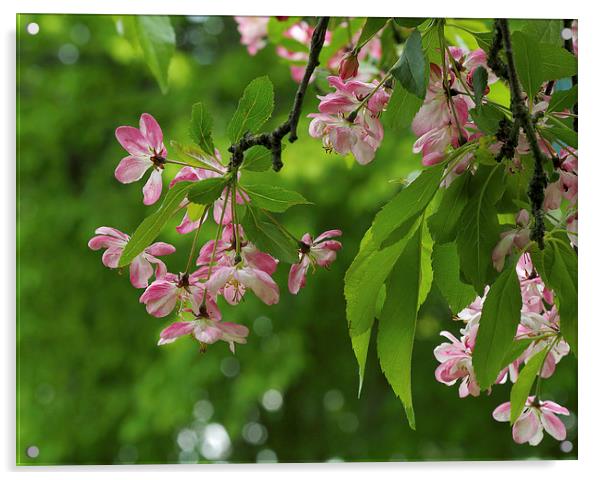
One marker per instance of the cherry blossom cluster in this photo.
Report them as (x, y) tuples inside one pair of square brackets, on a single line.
[(227, 266), (254, 32), (540, 322)]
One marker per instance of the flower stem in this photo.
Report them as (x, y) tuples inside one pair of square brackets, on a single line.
[(195, 239)]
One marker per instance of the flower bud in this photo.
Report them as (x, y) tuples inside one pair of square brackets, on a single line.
[(348, 66)]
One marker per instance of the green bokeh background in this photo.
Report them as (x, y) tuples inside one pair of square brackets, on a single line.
[(93, 387)]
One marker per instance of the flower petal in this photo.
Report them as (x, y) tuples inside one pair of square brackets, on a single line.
[(133, 141), (152, 188), (151, 130), (131, 169)]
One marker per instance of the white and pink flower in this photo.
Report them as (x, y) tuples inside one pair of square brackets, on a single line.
[(322, 252), (146, 150), (141, 268), (206, 331), (536, 417), (253, 32)]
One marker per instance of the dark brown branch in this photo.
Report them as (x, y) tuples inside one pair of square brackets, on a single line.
[(520, 113), (273, 140)]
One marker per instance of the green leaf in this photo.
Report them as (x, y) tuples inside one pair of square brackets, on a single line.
[(401, 109), (397, 216), (560, 274), (426, 268), (201, 125), (192, 155), (409, 22), (208, 190), (195, 211), (499, 319), (364, 279), (563, 99), (529, 63), (151, 226), (274, 198), (339, 38), (397, 324), (410, 69), (517, 347), (446, 271), (484, 39), (269, 236), (559, 130), (556, 62), (372, 26), (360, 346), (479, 82), (257, 159), (254, 109), (478, 228), (158, 41), (545, 31), (521, 389), (487, 118), (444, 222)]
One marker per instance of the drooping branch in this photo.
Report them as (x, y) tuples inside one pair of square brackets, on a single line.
[(521, 115), (273, 140)]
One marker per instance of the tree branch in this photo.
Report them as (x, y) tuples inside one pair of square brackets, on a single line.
[(273, 140), (520, 113)]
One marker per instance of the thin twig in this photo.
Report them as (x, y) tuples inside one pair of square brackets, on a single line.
[(273, 140), (538, 181)]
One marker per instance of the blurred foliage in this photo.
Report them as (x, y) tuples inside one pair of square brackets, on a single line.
[(93, 387)]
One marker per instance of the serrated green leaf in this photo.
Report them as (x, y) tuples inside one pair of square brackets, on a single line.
[(444, 222), (158, 42), (409, 22), (364, 279), (151, 226), (207, 191), (484, 39), (274, 198), (487, 118), (499, 319), (257, 159), (269, 236), (410, 69), (360, 345), (545, 31), (521, 389), (560, 274), (559, 130), (563, 99), (556, 62), (529, 62), (371, 27), (201, 125), (254, 109), (446, 272), (397, 323), (478, 228), (193, 155), (402, 211), (401, 109)]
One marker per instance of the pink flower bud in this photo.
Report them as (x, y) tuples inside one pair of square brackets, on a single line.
[(348, 66)]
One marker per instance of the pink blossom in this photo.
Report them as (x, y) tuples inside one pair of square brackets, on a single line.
[(348, 66), (141, 268), (536, 417), (233, 280), (146, 149), (322, 252), (533, 290), (226, 249), (518, 237), (472, 314), (363, 136), (456, 362), (164, 293), (253, 32), (207, 331)]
